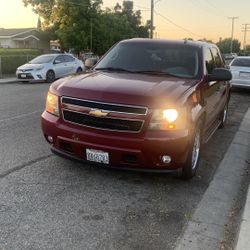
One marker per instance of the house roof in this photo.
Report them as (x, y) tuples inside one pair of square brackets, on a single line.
[(7, 33)]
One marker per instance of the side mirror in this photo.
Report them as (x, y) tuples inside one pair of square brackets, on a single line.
[(57, 61), (220, 74), (90, 62)]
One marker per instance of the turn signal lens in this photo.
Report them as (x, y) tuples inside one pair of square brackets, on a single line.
[(52, 104)]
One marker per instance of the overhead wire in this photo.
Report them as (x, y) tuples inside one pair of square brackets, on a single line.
[(177, 25)]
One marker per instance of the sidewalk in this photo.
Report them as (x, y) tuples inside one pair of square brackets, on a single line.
[(8, 80), (206, 229), (244, 236)]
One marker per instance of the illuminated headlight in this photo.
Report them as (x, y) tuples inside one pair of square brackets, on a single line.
[(170, 115), (52, 104), (168, 119)]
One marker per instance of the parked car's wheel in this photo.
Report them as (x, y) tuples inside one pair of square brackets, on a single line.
[(191, 165), (223, 115), (50, 76), (79, 70)]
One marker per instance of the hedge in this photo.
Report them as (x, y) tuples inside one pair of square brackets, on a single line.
[(8, 52), (11, 59)]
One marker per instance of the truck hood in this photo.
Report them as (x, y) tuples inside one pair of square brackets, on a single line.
[(124, 88)]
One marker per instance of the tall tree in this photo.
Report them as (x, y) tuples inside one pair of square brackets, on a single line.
[(225, 45), (111, 29), (135, 19), (81, 24)]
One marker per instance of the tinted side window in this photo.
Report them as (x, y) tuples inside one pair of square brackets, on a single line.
[(209, 61), (68, 58), (217, 58), (59, 59)]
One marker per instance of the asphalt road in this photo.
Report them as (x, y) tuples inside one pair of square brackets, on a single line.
[(47, 202)]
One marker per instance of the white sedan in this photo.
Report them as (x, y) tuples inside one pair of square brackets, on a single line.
[(49, 67), (240, 69)]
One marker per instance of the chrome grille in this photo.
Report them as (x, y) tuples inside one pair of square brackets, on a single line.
[(122, 118), (106, 106)]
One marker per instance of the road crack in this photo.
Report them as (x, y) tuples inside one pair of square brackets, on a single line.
[(17, 168)]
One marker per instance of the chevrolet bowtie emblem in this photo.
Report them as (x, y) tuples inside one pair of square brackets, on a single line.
[(98, 113)]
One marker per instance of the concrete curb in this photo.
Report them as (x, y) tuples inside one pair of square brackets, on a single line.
[(244, 239), (207, 227), (8, 80)]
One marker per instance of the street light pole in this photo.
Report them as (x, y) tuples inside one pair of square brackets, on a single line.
[(245, 30), (152, 20), (91, 34), (232, 34)]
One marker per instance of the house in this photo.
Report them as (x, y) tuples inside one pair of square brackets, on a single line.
[(29, 38)]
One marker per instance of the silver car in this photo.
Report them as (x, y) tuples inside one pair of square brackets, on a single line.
[(49, 67), (240, 68)]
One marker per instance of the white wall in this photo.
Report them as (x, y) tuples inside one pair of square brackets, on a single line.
[(7, 43)]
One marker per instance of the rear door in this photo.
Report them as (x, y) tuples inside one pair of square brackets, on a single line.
[(59, 66), (71, 64)]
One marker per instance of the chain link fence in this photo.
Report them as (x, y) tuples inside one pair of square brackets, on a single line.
[(9, 64)]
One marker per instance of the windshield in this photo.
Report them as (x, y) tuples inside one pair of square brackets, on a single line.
[(42, 59), (178, 60), (241, 62)]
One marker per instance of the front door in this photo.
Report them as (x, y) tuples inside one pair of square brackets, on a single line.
[(212, 91)]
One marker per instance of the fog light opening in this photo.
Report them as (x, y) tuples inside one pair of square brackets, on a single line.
[(166, 159), (50, 139)]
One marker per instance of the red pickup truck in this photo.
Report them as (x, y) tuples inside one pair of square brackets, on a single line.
[(146, 105)]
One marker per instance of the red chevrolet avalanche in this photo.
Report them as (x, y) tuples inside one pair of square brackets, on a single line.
[(146, 105)]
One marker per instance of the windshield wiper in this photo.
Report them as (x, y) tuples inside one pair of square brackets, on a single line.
[(115, 69)]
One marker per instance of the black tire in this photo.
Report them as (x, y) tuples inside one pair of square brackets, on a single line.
[(223, 116), (193, 158), (79, 70), (50, 76)]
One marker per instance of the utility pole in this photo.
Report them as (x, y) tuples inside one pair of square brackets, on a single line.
[(91, 34), (232, 35), (152, 20), (246, 28)]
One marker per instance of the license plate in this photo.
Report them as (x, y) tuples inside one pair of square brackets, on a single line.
[(244, 75), (23, 75), (97, 156)]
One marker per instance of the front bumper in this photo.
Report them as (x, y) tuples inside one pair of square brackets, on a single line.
[(31, 76), (126, 151), (240, 83)]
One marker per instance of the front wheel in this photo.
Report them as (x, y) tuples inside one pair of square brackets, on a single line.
[(191, 165), (79, 70), (223, 116), (50, 76)]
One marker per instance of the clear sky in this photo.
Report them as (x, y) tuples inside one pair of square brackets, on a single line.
[(174, 19)]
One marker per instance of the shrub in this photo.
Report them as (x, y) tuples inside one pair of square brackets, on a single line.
[(11, 59)]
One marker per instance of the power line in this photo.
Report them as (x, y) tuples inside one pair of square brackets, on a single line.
[(204, 8), (215, 8), (141, 7), (177, 25)]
